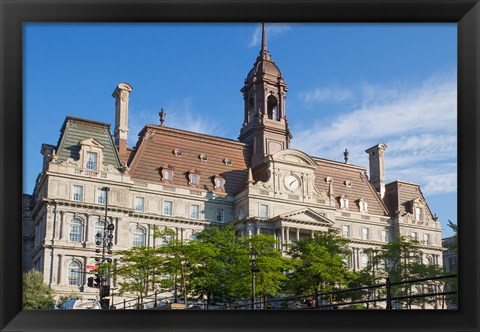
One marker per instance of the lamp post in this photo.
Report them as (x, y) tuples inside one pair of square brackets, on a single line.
[(105, 240), (253, 258)]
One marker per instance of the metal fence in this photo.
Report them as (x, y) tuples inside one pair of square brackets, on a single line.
[(387, 295)]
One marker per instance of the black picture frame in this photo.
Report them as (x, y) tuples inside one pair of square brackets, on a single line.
[(466, 13)]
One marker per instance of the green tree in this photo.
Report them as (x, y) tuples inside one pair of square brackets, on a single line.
[(370, 275), (139, 269), (36, 295), (271, 278), (318, 264), (219, 259)]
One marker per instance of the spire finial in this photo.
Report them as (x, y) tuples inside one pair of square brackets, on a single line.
[(264, 38), (263, 51), (345, 154)]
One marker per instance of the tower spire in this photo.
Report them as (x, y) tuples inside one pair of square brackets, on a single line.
[(264, 50), (264, 38)]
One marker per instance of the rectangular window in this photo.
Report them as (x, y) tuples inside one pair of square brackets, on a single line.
[(365, 233), (194, 179), (220, 215), (101, 196), (414, 235), (91, 161), (263, 211), (139, 204), (418, 213), (78, 193), (168, 175), (384, 235), (167, 208), (426, 238), (195, 211), (346, 231)]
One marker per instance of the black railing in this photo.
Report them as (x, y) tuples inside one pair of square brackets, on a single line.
[(385, 293)]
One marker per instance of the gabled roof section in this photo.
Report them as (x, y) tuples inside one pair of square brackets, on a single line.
[(305, 216), (185, 151), (349, 180), (75, 131)]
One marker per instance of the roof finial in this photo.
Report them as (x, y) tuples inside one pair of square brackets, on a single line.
[(162, 115), (345, 154), (264, 51)]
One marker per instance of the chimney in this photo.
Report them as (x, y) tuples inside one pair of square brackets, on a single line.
[(376, 165), (121, 94)]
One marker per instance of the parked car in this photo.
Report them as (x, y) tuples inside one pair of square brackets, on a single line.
[(79, 304)]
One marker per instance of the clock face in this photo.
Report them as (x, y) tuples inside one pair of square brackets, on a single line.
[(291, 182)]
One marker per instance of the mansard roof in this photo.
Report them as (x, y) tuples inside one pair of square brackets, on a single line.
[(186, 151), (76, 130), (349, 180), (400, 194)]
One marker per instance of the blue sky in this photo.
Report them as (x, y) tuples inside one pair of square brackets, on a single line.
[(350, 86)]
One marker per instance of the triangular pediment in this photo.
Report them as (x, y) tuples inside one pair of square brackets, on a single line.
[(306, 216), (91, 142)]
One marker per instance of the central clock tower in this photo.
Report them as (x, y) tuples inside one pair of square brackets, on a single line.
[(265, 129)]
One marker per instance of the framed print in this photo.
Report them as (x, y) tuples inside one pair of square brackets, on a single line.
[(107, 189)]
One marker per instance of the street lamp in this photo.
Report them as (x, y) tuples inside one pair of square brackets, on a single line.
[(253, 258), (106, 249)]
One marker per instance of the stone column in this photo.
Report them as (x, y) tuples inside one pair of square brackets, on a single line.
[(282, 238), (298, 234), (59, 269), (87, 228), (61, 225), (288, 236)]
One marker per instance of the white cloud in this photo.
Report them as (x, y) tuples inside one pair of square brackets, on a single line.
[(417, 123), (273, 29), (326, 94)]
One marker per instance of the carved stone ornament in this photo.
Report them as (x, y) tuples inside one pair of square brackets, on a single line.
[(149, 134), (203, 157), (71, 162), (227, 162)]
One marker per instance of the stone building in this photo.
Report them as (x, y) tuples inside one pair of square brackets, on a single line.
[(188, 181)]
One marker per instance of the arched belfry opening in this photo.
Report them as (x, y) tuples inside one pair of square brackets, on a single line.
[(265, 128), (251, 108), (272, 108)]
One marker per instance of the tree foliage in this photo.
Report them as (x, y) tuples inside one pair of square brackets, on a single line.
[(318, 263), (36, 295)]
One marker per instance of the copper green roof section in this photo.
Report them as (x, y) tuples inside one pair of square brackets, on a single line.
[(75, 130)]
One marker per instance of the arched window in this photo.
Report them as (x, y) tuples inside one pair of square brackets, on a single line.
[(76, 230), (138, 237), (74, 273), (99, 229), (272, 108)]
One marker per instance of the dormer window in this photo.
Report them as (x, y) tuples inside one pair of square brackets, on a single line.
[(167, 173), (194, 178), (363, 205), (344, 202), (219, 182), (418, 209), (91, 156), (91, 162)]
